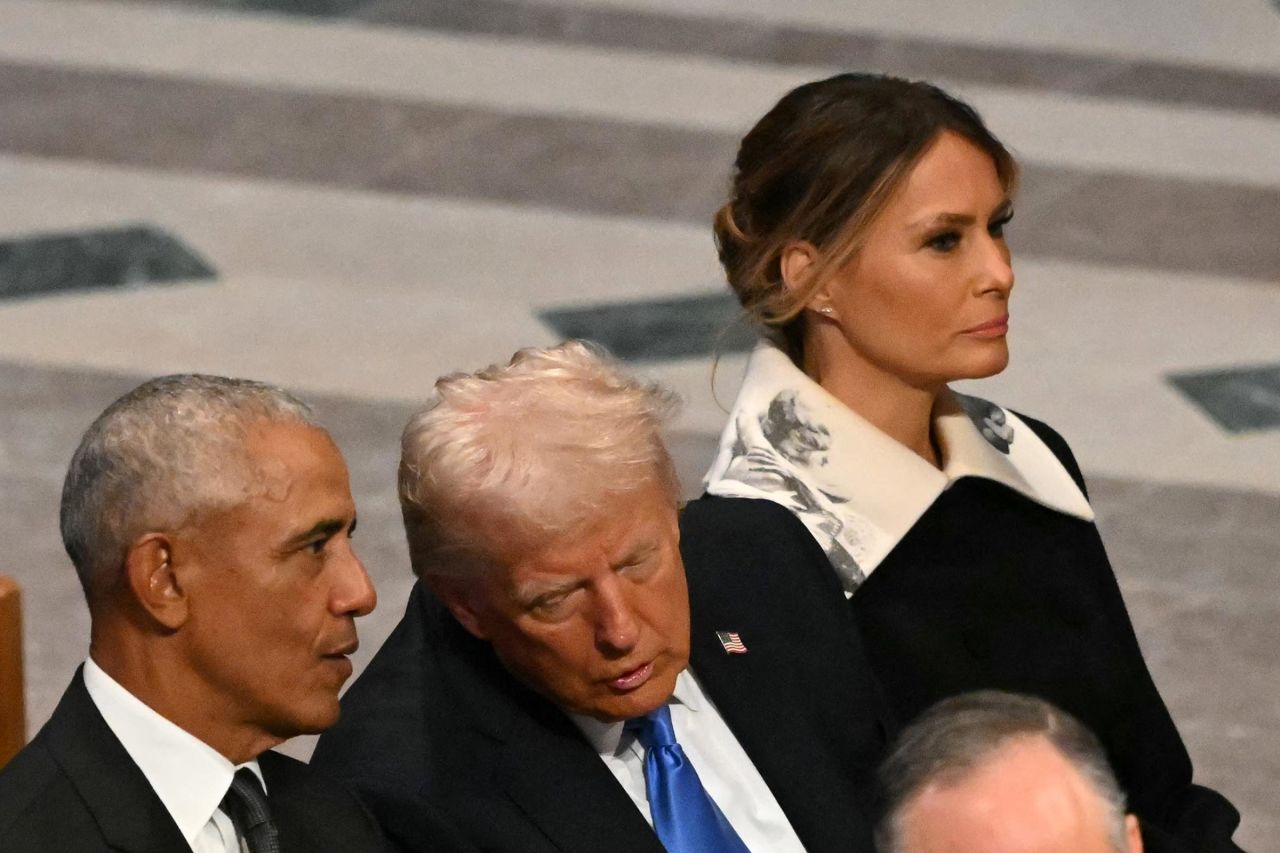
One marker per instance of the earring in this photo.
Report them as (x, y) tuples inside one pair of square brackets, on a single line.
[(825, 309)]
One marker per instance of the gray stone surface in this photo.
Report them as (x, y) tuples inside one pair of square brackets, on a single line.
[(584, 165), (131, 256), (1200, 569), (691, 36)]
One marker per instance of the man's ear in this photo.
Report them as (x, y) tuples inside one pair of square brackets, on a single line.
[(458, 594), (799, 260), (154, 581), (1133, 834)]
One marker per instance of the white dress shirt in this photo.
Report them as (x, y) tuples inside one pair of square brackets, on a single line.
[(726, 771), (189, 776)]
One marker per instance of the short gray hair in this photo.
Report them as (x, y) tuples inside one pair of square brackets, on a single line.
[(530, 449), (169, 449), (958, 735)]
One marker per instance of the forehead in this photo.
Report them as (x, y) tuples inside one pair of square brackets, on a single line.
[(1026, 797), (296, 465), (952, 176), (618, 527)]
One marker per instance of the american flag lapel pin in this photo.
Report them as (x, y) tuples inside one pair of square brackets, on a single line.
[(732, 642)]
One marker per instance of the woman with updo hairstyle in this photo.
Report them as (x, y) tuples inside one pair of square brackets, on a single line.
[(865, 236)]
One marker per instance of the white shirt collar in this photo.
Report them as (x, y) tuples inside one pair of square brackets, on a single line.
[(606, 738), (189, 776), (858, 490)]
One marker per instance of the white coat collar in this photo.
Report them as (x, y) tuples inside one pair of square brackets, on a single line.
[(856, 489)]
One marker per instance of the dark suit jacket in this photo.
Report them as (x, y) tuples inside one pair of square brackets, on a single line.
[(75, 788), (435, 720), (991, 590)]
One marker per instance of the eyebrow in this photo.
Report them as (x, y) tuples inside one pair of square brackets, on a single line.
[(962, 218)]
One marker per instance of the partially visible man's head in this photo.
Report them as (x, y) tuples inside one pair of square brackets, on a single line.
[(209, 520), (540, 506), (994, 772)]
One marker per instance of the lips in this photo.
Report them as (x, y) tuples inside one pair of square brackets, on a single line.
[(991, 328), (632, 679)]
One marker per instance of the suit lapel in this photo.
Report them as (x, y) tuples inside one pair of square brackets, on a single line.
[(113, 788), (555, 777), (802, 700)]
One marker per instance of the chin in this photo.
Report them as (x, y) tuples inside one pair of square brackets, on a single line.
[(984, 367)]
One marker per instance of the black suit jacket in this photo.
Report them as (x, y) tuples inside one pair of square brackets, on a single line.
[(991, 590), (436, 721), (75, 788)]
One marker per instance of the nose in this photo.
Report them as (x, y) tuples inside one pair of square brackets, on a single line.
[(617, 628), (353, 593), (997, 267)]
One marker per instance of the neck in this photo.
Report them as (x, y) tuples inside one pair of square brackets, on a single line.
[(152, 670), (895, 406)]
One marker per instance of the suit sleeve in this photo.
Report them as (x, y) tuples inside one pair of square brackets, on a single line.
[(1191, 818)]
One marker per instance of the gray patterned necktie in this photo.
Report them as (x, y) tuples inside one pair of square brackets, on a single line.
[(246, 805)]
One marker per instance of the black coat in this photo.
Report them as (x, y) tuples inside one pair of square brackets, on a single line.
[(435, 721), (75, 788), (991, 590)]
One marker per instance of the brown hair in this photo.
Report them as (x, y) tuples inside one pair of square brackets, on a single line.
[(819, 167)]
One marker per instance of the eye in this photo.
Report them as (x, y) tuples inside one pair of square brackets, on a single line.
[(550, 607), (944, 242), (316, 547), (996, 228)]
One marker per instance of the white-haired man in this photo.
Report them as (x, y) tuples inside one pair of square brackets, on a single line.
[(550, 686), (209, 521), (995, 772)]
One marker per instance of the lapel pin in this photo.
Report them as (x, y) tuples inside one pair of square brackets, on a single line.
[(732, 642)]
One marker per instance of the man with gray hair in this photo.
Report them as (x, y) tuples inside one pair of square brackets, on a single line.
[(559, 681), (995, 772), (209, 521)]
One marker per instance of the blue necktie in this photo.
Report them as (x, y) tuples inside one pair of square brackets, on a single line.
[(685, 817)]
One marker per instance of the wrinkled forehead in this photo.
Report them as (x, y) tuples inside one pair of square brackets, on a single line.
[(600, 529)]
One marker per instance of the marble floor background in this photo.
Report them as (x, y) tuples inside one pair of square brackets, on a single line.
[(351, 197)]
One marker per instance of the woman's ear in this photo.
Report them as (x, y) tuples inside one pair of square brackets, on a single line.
[(799, 261), (799, 258)]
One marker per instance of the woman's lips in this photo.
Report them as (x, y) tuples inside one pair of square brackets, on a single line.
[(633, 679), (991, 329)]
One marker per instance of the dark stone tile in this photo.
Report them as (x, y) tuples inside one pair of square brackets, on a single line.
[(658, 329), (89, 260), (584, 165), (1242, 399), (749, 41)]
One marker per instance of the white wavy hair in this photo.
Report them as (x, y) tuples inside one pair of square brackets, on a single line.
[(527, 451)]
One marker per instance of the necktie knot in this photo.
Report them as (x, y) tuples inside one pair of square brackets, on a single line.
[(246, 804), (654, 728)]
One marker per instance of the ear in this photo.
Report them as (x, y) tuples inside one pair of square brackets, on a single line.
[(1133, 834), (153, 579), (799, 260), (458, 595)]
